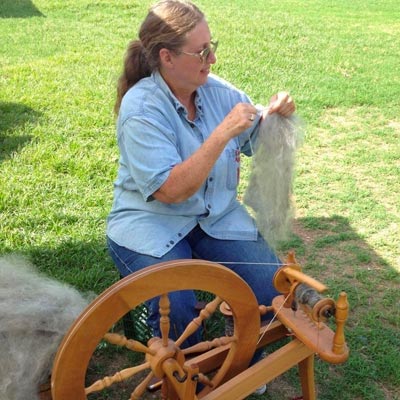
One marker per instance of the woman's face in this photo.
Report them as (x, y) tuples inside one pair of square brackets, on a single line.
[(190, 70)]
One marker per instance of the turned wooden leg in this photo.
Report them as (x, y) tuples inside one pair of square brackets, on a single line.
[(306, 371)]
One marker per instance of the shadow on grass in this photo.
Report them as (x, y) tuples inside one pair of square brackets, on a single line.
[(18, 9), (12, 117), (330, 250), (86, 266)]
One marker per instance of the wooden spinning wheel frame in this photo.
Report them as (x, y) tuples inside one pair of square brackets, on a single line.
[(228, 357)]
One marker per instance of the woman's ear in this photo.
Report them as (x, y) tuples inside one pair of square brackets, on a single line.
[(166, 58)]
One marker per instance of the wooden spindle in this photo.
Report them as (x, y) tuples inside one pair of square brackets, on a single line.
[(205, 380), (205, 313), (120, 340), (164, 319), (341, 314), (117, 377), (141, 388), (208, 345)]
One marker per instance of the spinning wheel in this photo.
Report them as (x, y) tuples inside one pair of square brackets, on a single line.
[(164, 358), (301, 313)]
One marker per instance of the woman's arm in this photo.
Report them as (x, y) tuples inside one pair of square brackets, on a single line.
[(186, 178)]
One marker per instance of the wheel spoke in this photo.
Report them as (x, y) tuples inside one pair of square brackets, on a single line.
[(164, 318), (120, 340), (205, 313), (208, 345), (117, 377), (141, 388), (204, 380)]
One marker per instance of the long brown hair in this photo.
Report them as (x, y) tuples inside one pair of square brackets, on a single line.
[(165, 26)]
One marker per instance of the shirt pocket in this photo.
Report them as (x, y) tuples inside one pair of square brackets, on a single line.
[(233, 168)]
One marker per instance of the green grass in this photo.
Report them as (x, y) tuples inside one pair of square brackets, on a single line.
[(59, 64)]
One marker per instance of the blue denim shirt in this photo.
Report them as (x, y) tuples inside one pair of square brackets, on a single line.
[(155, 134)]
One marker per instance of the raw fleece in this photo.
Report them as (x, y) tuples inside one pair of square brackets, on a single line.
[(35, 314), (269, 192)]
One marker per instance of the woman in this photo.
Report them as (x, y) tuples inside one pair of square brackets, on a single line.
[(180, 134)]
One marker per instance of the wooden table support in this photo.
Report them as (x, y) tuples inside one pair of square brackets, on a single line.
[(306, 372), (288, 356)]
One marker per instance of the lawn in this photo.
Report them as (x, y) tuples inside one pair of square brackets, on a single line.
[(59, 62)]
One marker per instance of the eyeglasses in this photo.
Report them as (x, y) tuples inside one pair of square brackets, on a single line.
[(205, 53)]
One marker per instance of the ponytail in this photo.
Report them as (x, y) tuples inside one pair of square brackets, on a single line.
[(136, 67)]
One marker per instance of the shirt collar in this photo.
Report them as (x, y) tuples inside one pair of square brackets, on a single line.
[(177, 104)]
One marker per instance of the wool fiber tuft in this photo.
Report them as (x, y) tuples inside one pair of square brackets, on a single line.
[(35, 314), (269, 192)]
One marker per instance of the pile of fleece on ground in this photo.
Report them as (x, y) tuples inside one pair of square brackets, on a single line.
[(35, 314)]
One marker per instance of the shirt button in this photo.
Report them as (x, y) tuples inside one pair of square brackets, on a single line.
[(210, 179), (171, 242), (180, 234), (208, 206)]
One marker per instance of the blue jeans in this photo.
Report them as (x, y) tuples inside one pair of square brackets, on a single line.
[(237, 255)]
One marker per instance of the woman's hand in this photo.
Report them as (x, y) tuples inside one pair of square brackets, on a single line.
[(240, 118), (281, 103)]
